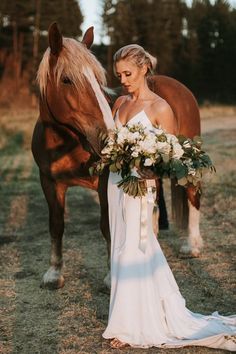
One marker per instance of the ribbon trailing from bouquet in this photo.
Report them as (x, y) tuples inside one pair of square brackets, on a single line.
[(147, 202)]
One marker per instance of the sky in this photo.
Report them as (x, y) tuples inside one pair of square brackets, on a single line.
[(92, 11)]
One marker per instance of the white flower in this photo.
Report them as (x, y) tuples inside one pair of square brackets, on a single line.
[(158, 131), (135, 154), (133, 137), (191, 171), (188, 162), (149, 162), (106, 150), (163, 147), (147, 146), (123, 134), (186, 144), (172, 139), (177, 151)]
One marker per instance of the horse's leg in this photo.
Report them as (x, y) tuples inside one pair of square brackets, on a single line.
[(104, 219), (55, 196), (163, 217), (194, 242), (156, 209)]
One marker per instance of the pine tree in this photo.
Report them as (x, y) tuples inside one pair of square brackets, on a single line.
[(156, 25), (23, 33), (211, 27)]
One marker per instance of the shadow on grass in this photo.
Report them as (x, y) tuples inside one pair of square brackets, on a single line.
[(73, 318)]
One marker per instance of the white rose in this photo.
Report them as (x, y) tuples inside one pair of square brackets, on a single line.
[(132, 137), (148, 162), (191, 171), (158, 131), (122, 135), (135, 154), (163, 147), (177, 151), (148, 147), (172, 139)]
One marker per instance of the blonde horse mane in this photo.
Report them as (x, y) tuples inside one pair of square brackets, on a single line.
[(73, 59)]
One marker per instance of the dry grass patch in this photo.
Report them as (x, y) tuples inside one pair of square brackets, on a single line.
[(71, 320)]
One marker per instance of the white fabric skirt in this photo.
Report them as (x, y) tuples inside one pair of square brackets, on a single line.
[(146, 307)]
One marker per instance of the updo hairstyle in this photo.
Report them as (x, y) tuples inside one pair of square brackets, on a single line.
[(138, 55)]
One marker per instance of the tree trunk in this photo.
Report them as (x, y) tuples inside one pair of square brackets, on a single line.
[(36, 31)]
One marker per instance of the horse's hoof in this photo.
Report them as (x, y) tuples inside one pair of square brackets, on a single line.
[(52, 280), (187, 251), (195, 253), (107, 280)]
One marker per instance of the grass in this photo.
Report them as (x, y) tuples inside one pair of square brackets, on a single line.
[(71, 320)]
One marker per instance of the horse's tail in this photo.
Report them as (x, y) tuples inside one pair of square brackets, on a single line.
[(179, 203)]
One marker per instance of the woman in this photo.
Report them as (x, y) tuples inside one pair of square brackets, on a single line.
[(146, 307)]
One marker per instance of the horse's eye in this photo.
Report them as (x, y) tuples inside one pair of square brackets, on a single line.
[(66, 80)]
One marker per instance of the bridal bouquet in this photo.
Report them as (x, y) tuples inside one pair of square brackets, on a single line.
[(131, 148)]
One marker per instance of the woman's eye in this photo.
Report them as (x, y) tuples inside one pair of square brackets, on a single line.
[(66, 81), (127, 74)]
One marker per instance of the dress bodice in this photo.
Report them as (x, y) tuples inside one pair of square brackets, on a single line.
[(140, 117)]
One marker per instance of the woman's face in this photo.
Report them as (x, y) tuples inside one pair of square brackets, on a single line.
[(130, 75)]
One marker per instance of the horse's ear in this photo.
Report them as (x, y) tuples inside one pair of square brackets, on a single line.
[(88, 37), (55, 39)]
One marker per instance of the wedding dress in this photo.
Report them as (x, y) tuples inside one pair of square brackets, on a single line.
[(146, 306)]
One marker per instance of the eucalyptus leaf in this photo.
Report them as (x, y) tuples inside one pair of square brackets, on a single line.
[(183, 181), (137, 162), (113, 168), (91, 170)]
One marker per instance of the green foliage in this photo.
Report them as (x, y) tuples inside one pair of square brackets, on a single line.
[(130, 151)]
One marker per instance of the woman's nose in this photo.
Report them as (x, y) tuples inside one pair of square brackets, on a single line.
[(122, 79)]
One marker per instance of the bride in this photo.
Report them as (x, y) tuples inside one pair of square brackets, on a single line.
[(146, 307)]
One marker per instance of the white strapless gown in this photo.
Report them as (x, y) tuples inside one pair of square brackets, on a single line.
[(146, 306)]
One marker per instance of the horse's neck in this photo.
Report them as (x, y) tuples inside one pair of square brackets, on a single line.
[(45, 114)]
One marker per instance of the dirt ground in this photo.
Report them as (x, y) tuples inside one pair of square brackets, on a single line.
[(72, 319)]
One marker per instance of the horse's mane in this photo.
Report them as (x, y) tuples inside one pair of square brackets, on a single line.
[(73, 59)]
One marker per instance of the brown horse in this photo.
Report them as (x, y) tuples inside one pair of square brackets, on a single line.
[(73, 110)]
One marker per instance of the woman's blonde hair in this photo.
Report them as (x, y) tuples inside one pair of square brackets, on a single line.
[(138, 55)]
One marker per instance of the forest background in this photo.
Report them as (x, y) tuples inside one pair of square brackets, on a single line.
[(193, 43)]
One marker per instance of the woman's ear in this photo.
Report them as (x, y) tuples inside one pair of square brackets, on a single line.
[(144, 69)]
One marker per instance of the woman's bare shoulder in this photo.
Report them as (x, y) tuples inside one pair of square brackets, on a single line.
[(160, 105), (163, 115), (118, 103)]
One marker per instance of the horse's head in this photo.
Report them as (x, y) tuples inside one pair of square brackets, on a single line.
[(71, 81)]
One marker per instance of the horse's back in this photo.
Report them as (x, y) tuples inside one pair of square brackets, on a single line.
[(182, 102)]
